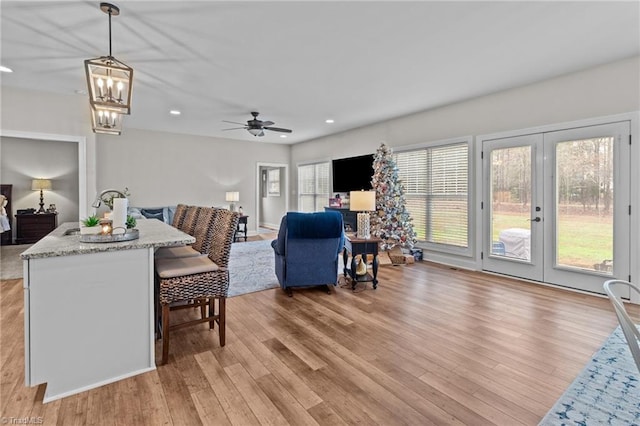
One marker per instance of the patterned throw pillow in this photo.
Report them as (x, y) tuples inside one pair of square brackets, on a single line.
[(153, 214)]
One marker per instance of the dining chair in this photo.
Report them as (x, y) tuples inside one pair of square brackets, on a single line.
[(190, 219), (629, 328), (178, 217), (190, 282), (203, 232)]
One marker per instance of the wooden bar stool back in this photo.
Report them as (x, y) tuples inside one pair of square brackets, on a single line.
[(178, 217), (190, 219), (198, 282)]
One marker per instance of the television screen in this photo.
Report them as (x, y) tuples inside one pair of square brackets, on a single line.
[(353, 173)]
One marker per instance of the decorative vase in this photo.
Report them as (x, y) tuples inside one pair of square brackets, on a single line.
[(91, 230)]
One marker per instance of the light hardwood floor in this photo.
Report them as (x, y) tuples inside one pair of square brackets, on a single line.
[(432, 345)]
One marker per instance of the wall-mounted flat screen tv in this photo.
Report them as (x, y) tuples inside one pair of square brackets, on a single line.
[(353, 173)]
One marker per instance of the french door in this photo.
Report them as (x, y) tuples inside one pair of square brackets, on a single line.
[(556, 206)]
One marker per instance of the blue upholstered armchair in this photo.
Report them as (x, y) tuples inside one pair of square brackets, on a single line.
[(307, 249)]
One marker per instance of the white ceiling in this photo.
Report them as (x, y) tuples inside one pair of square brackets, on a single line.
[(299, 63)]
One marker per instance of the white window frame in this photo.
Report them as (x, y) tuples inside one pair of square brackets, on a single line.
[(445, 248), (328, 194), (273, 182)]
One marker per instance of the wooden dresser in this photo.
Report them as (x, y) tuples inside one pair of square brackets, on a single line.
[(32, 227), (6, 237)]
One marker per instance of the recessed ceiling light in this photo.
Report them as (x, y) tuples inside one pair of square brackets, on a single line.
[(283, 136), (329, 121), (5, 69), (174, 112)]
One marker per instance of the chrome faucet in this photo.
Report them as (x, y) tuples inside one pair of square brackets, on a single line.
[(98, 200)]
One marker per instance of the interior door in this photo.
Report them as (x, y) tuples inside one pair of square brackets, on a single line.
[(556, 206)]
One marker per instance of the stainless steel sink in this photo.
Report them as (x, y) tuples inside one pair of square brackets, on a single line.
[(72, 231)]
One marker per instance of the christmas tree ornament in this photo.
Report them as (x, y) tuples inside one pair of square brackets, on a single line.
[(393, 223)]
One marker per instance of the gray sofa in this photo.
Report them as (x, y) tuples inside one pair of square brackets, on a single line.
[(164, 214)]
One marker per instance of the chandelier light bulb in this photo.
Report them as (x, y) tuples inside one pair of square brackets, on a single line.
[(120, 86), (100, 86)]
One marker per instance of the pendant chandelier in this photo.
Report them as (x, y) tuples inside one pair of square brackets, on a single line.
[(109, 81)]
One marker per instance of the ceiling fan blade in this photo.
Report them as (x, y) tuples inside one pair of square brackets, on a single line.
[(235, 128), (278, 129), (233, 122), (267, 123)]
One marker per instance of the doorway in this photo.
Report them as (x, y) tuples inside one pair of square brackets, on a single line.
[(556, 206), (272, 191)]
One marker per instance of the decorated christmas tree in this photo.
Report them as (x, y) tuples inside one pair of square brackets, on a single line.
[(392, 222)]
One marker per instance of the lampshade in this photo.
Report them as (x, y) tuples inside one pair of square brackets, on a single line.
[(362, 201), (256, 131), (40, 184), (232, 196), (110, 82)]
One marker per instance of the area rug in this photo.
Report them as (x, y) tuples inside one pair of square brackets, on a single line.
[(10, 262), (251, 267), (606, 392)]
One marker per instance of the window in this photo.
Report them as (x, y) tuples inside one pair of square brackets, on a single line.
[(436, 181), (313, 187), (273, 182)]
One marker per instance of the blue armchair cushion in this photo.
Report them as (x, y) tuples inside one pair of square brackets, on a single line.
[(314, 225)]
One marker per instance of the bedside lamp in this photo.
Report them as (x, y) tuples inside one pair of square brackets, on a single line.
[(232, 197), (40, 185), (363, 202)]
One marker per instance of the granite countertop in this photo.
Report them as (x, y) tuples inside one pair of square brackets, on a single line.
[(153, 233)]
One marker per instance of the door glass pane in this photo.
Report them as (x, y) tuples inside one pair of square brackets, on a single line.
[(584, 210), (511, 202)]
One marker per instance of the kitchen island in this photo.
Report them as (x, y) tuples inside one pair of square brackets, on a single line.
[(89, 308)]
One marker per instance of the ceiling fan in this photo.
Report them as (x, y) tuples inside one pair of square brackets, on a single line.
[(257, 127)]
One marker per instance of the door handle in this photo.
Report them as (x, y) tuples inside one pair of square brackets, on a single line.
[(535, 219)]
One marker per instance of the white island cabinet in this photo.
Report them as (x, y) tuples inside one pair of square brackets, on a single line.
[(89, 308)]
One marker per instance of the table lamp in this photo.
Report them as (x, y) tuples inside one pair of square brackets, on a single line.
[(363, 202), (232, 197), (40, 185)]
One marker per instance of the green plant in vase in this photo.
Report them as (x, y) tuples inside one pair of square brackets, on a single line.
[(131, 222), (91, 221), (90, 225)]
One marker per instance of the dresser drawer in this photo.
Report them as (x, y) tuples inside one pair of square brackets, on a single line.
[(32, 227)]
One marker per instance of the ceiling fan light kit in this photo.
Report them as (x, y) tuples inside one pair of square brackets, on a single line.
[(110, 84), (257, 127)]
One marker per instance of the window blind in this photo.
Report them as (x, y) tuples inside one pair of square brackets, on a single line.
[(436, 181), (313, 187)]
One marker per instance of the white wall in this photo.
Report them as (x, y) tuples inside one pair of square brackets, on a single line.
[(21, 160), (609, 89), (166, 169), (605, 90), (159, 168), (55, 117)]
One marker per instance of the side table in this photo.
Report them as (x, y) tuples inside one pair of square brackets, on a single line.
[(242, 220), (362, 246)]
